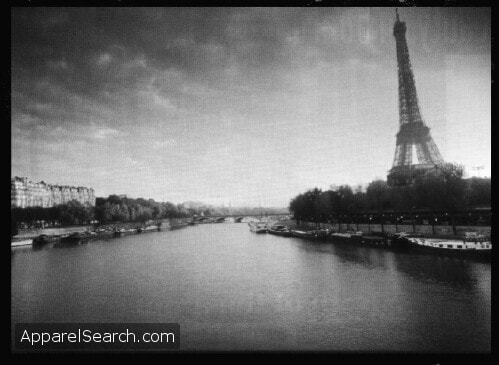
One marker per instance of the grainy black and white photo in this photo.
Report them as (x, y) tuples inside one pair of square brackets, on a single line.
[(191, 179)]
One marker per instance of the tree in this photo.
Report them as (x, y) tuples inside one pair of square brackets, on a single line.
[(478, 192), (378, 195), (144, 214), (157, 211), (114, 199), (303, 206), (122, 214), (324, 205), (74, 212), (442, 188), (344, 200), (103, 213)]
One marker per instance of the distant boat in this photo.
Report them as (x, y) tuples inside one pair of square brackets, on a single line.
[(103, 233), (43, 239), (280, 230), (79, 236), (350, 236), (258, 227), (304, 234), (21, 243), (377, 239), (177, 226)]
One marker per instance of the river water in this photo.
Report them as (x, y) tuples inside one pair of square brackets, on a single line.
[(232, 289)]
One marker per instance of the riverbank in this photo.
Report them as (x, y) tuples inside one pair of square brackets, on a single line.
[(174, 223), (26, 234), (165, 224), (426, 230)]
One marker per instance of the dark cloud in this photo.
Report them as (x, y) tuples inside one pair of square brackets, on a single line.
[(72, 64), (66, 44), (196, 74), (100, 51)]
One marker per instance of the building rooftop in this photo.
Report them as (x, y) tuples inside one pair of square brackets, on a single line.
[(26, 180)]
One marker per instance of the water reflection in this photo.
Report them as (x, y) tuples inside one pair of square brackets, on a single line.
[(453, 292), (425, 267)]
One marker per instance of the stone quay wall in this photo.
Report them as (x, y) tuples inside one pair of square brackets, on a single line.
[(439, 230)]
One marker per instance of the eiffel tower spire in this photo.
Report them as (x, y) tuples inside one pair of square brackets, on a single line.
[(413, 138)]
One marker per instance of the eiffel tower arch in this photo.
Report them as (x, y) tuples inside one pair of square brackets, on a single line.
[(414, 140)]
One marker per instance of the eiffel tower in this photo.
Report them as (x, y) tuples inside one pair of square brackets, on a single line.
[(413, 138)]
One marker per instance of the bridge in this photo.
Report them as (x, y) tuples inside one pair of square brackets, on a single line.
[(238, 218)]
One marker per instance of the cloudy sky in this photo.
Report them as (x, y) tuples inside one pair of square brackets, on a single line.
[(240, 106)]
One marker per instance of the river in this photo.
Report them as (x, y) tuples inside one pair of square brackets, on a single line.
[(232, 289)]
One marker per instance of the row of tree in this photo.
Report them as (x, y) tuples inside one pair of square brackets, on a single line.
[(106, 210), (117, 209), (211, 210), (443, 189), (70, 213)]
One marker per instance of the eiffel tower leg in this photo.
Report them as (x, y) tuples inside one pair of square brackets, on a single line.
[(422, 154), (399, 155), (433, 151), (408, 154)]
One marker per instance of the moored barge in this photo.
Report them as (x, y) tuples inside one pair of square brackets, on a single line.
[(349, 236), (258, 227), (479, 246), (279, 230), (44, 239), (314, 234)]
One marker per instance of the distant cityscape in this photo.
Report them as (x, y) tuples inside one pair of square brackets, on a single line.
[(28, 194), (25, 194)]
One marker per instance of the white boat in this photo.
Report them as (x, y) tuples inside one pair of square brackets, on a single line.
[(258, 227), (347, 236), (468, 245), (341, 235), (21, 243)]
